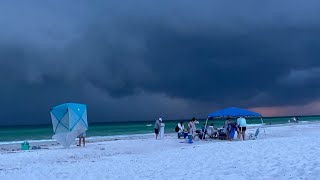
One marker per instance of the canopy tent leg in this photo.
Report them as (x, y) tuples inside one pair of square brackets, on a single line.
[(264, 129), (205, 128)]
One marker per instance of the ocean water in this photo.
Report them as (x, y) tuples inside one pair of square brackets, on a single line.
[(44, 132)]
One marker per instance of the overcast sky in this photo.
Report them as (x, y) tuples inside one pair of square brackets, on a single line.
[(138, 60)]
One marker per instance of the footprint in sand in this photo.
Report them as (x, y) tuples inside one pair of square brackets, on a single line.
[(63, 175)]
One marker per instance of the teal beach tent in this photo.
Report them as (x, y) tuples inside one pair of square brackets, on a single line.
[(69, 120)]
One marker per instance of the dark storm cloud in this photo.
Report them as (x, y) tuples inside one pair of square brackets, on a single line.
[(141, 60)]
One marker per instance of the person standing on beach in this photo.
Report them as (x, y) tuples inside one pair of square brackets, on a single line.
[(189, 127), (242, 124), (238, 130), (192, 127), (227, 127), (157, 125), (82, 138)]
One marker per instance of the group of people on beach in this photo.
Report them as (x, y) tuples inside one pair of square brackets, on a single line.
[(191, 128), (226, 132), (228, 129), (240, 126), (294, 120)]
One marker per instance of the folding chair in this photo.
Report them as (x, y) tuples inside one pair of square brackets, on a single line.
[(255, 135)]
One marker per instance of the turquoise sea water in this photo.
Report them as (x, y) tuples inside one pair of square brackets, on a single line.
[(40, 132)]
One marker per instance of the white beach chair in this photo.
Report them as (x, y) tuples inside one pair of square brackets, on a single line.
[(211, 132), (255, 135)]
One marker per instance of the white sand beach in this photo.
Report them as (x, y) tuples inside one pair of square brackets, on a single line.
[(282, 152)]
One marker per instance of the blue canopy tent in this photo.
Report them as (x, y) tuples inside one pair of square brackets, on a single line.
[(234, 112)]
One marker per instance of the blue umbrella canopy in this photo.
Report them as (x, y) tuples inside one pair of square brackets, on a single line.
[(233, 112)]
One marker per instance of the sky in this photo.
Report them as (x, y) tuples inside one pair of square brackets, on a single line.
[(140, 60)]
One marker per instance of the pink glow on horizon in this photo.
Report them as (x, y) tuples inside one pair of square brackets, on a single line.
[(308, 109)]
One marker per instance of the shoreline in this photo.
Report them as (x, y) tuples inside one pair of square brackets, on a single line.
[(284, 152), (14, 146)]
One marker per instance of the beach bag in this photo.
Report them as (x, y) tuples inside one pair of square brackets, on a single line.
[(232, 132), (177, 128), (25, 146), (222, 136)]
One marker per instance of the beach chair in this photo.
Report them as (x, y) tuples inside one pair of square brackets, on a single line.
[(255, 135), (221, 134), (211, 132)]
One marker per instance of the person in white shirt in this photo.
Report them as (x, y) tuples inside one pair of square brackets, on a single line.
[(242, 125), (181, 129), (181, 126)]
